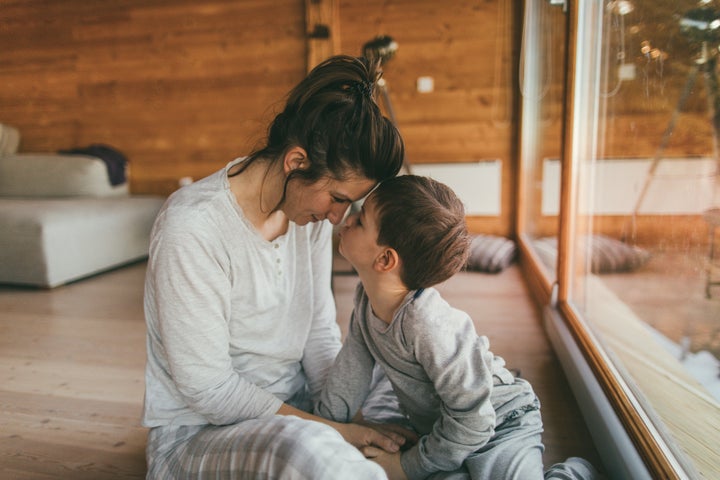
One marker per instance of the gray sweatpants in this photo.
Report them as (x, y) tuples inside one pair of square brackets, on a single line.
[(515, 453)]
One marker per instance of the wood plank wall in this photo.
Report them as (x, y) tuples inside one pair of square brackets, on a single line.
[(468, 48), (182, 87)]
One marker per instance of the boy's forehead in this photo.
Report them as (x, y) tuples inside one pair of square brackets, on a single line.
[(367, 204), (368, 208), (370, 199)]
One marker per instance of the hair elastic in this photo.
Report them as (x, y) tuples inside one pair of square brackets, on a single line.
[(364, 89)]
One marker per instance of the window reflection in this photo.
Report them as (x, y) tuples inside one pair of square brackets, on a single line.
[(542, 81)]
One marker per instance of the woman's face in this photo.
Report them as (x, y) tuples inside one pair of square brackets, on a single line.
[(325, 199)]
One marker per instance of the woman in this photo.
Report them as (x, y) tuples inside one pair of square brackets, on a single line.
[(240, 315)]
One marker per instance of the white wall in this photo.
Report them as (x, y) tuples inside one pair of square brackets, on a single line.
[(477, 184)]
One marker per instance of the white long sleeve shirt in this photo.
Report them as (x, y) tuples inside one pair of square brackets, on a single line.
[(236, 324)]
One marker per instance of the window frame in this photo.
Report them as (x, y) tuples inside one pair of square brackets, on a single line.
[(582, 37)]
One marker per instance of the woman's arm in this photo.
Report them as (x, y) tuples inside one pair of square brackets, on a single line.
[(358, 435)]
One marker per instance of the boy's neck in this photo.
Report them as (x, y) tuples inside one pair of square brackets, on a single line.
[(386, 293)]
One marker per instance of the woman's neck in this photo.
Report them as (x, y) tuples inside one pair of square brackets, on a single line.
[(258, 190)]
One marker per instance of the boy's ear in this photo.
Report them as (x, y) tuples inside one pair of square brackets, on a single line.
[(387, 261), (295, 158)]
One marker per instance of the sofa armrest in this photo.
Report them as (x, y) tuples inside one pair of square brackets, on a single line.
[(9, 139), (55, 175)]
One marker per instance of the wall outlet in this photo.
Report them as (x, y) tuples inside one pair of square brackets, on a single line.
[(425, 84)]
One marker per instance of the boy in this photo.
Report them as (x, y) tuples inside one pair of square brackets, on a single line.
[(472, 416)]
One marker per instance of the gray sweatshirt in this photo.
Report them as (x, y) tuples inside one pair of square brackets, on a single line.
[(235, 324), (451, 387)]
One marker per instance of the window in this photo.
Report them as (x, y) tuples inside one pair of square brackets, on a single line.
[(542, 84), (638, 208)]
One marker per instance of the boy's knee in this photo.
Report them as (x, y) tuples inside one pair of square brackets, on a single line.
[(574, 468)]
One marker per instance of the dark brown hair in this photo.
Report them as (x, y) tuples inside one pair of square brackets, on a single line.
[(332, 114), (424, 221)]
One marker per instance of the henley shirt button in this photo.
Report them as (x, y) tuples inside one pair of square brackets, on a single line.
[(278, 260), (277, 246)]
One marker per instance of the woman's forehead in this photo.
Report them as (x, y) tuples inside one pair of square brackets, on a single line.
[(352, 187)]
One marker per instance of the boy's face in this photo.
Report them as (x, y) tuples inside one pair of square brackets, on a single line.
[(358, 237)]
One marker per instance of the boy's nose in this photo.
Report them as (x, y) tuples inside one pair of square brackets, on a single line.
[(351, 219)]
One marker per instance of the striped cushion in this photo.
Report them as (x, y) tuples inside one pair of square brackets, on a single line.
[(490, 254), (606, 254)]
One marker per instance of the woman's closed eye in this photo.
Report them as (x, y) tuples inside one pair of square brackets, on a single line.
[(340, 200)]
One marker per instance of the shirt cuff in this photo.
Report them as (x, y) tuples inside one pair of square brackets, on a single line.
[(411, 462)]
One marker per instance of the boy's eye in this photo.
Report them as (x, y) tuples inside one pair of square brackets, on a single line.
[(340, 200)]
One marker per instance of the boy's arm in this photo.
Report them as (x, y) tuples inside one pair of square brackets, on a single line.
[(459, 364), (348, 382)]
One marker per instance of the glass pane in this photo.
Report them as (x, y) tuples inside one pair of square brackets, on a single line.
[(647, 211), (542, 82)]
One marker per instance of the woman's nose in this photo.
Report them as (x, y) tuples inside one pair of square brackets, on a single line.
[(337, 213)]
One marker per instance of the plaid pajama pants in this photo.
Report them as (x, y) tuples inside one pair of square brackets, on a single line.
[(279, 447)]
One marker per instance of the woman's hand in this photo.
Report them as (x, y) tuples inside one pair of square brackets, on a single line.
[(357, 435), (390, 462), (362, 436), (409, 436)]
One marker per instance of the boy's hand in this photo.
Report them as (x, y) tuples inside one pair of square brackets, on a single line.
[(390, 462)]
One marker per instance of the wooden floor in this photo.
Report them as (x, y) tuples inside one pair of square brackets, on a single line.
[(71, 371)]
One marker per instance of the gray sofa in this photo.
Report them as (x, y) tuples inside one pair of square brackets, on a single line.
[(62, 220)]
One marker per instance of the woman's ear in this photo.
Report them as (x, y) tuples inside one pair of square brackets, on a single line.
[(387, 261), (295, 158)]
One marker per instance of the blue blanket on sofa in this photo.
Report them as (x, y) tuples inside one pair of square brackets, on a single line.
[(114, 160)]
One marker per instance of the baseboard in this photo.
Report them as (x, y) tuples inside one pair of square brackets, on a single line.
[(620, 457)]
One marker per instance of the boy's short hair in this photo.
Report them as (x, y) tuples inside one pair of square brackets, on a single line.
[(424, 221)]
